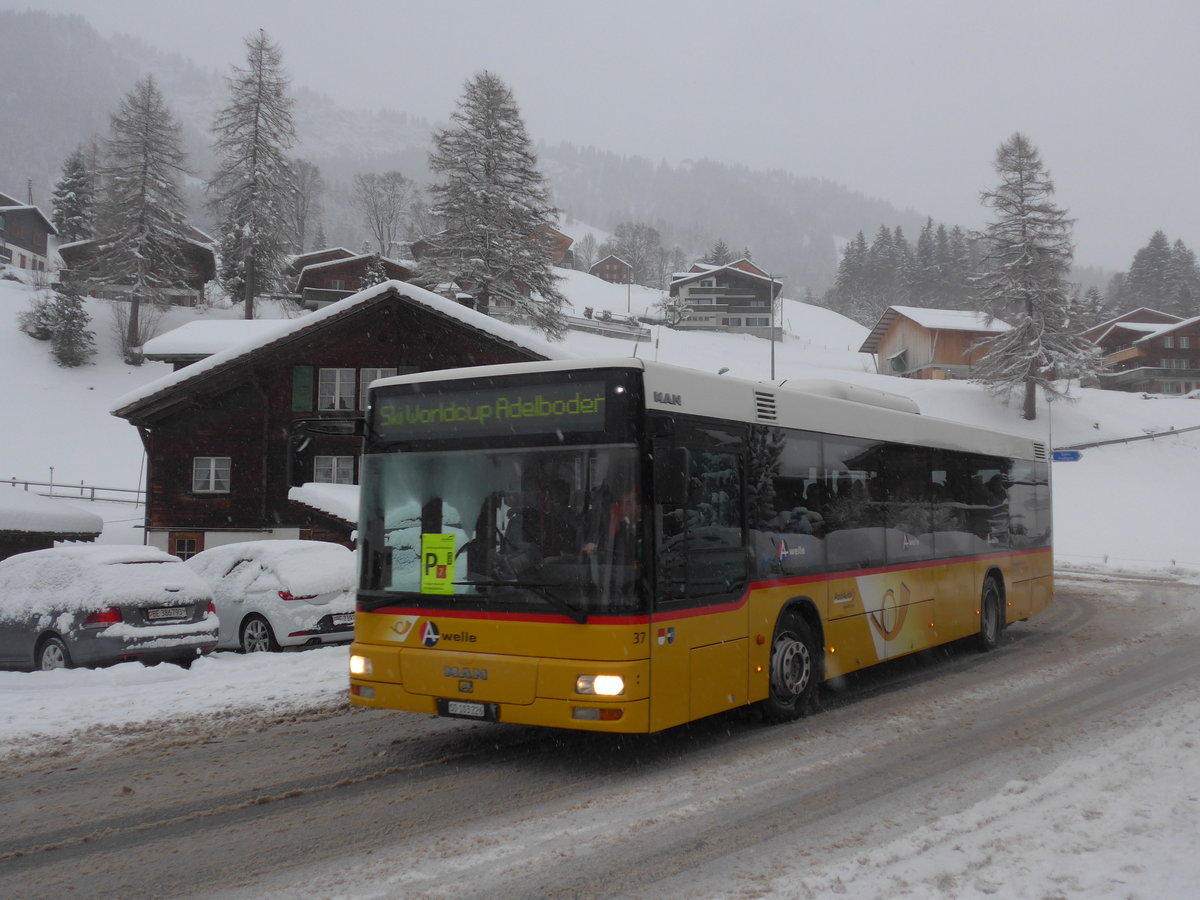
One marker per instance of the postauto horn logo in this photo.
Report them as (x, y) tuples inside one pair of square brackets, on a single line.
[(430, 634)]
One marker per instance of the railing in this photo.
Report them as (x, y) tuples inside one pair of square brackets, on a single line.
[(79, 491), (1148, 436)]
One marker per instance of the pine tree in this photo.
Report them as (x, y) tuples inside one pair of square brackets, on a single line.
[(1183, 281), (1024, 280), (141, 216), (74, 199), (254, 184), (1148, 275), (374, 273), (720, 254), (495, 208), (320, 242), (72, 343)]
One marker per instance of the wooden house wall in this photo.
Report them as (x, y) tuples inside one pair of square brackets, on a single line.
[(25, 228), (927, 347)]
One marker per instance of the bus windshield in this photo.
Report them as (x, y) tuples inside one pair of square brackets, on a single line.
[(511, 530)]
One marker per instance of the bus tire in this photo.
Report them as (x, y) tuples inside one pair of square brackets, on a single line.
[(991, 615), (793, 670)]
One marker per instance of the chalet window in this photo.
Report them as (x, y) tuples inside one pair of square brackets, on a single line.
[(210, 474), (1185, 343), (335, 389), (708, 282), (1173, 363), (758, 321), (337, 284), (702, 301), (366, 376), (732, 321), (333, 469), (1169, 343), (185, 545)]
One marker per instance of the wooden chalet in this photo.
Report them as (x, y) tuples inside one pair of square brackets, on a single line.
[(915, 342), (613, 269), (295, 264), (228, 437), (327, 281), (197, 257), (1149, 351), (737, 297), (24, 235)]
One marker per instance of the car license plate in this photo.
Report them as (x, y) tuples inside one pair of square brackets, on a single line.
[(466, 709), (167, 612), (344, 619)]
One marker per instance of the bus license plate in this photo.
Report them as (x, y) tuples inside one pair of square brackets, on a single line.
[(467, 709)]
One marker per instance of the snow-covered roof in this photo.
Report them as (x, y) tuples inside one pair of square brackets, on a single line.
[(707, 269), (952, 319), (205, 337), (337, 500), (933, 319), (25, 207), (288, 328), (1147, 330), (23, 512)]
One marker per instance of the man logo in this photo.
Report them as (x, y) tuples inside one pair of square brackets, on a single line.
[(429, 634), (668, 399)]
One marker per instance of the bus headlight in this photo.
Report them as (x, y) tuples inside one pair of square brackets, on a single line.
[(359, 665), (600, 685)]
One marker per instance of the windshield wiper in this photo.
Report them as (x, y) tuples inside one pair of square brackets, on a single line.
[(542, 591)]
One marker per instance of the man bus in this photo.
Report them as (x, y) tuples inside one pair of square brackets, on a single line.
[(625, 546)]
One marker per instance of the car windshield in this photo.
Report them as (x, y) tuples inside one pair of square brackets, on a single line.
[(548, 530)]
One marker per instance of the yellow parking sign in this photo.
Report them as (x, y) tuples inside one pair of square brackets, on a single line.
[(437, 564)]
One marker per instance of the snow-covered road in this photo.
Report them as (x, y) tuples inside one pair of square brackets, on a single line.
[(1062, 765)]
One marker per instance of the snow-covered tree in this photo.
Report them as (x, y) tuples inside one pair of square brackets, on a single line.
[(384, 202), (74, 198), (494, 208), (1023, 280), (141, 214), (374, 273), (254, 184), (72, 342), (720, 254)]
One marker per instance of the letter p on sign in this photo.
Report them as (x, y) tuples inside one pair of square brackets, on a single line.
[(437, 564)]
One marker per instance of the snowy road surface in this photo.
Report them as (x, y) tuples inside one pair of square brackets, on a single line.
[(1060, 766)]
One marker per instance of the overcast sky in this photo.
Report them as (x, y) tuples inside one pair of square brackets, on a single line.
[(906, 101)]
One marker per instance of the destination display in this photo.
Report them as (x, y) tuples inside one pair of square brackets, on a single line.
[(569, 407)]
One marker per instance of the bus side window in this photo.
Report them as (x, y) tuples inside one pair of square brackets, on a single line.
[(701, 534)]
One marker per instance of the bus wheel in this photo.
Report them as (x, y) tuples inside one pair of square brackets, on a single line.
[(991, 613), (793, 670)]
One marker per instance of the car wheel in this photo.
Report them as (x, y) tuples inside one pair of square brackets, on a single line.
[(52, 653), (794, 673), (257, 636)]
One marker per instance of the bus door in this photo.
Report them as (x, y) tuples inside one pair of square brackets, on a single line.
[(698, 643)]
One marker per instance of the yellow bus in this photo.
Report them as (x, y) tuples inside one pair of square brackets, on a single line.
[(621, 545)]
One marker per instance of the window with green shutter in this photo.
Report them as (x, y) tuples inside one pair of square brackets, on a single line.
[(302, 388)]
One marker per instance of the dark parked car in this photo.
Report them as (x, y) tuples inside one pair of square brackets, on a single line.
[(90, 605), (276, 594)]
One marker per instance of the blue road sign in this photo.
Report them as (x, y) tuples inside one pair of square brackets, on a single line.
[(1066, 456)]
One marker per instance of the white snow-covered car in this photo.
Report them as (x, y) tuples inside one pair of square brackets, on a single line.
[(275, 594), (95, 605)]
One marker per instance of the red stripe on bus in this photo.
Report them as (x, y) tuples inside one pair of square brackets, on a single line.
[(693, 612)]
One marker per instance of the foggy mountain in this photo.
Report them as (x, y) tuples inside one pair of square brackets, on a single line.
[(61, 80)]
